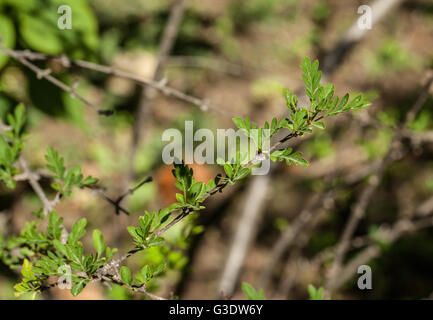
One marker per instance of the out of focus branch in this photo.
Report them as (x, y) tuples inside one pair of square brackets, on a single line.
[(46, 74), (379, 8), (143, 113), (48, 205), (389, 235), (206, 63), (244, 234), (321, 201), (359, 209), (286, 240), (161, 86), (33, 181)]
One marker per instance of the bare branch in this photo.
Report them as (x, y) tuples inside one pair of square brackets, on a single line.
[(46, 74), (248, 224), (33, 181), (116, 203), (161, 86), (359, 209)]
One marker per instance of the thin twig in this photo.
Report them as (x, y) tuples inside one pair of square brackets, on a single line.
[(33, 181), (160, 86), (359, 209), (135, 288), (46, 74), (111, 279), (117, 203)]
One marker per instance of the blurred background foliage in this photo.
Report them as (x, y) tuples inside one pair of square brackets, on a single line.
[(258, 45)]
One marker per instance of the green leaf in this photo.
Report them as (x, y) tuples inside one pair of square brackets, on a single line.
[(7, 32), (55, 163), (98, 242), (4, 150), (26, 270), (358, 103), (163, 216), (196, 192), (261, 295), (291, 101), (311, 291), (39, 34), (184, 175), (75, 254), (72, 179), (325, 97), (60, 247), (158, 269), (239, 123), (180, 198), (10, 149), (155, 241), (353, 103), (243, 173), (296, 158), (145, 223), (311, 76), (133, 232), (300, 117), (125, 275), (251, 293), (17, 119), (78, 231), (318, 125), (145, 272), (54, 222), (78, 287), (289, 157), (88, 181), (109, 253), (38, 214), (228, 170), (315, 294)]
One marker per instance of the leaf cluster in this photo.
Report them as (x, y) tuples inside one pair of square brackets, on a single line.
[(251, 293), (66, 180), (50, 253), (11, 144)]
